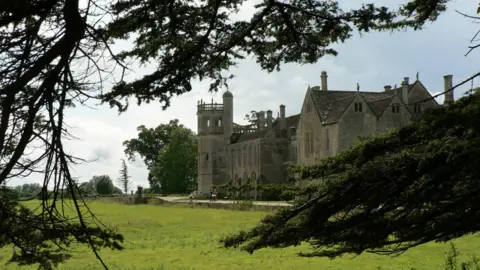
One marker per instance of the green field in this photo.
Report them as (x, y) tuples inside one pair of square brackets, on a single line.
[(161, 237)]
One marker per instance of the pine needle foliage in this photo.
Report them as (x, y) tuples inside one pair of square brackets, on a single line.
[(387, 193)]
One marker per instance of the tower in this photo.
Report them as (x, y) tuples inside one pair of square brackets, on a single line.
[(214, 125)]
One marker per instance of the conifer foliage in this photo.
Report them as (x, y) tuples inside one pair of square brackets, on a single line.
[(388, 193)]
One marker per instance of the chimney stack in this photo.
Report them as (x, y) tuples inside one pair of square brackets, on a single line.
[(387, 87), (261, 120), (405, 90), (283, 123), (269, 119), (448, 84), (324, 80)]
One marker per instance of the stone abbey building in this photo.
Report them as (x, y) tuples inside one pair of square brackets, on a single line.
[(329, 122)]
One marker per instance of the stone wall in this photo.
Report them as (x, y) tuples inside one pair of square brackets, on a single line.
[(309, 123), (274, 154), (390, 120), (243, 160), (354, 124)]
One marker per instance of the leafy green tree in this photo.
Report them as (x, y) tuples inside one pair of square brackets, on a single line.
[(176, 166), (117, 190), (51, 50), (30, 190), (149, 142), (11, 193), (148, 145), (124, 179), (103, 184), (88, 188)]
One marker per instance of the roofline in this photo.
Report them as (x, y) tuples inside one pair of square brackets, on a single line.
[(427, 92), (391, 98), (314, 103), (344, 109)]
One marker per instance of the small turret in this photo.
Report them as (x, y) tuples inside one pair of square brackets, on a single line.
[(227, 115), (260, 120), (283, 123), (405, 87), (269, 119)]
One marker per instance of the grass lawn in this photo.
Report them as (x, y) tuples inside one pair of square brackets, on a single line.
[(161, 237)]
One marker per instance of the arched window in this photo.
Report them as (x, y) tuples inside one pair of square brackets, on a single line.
[(206, 157), (245, 178)]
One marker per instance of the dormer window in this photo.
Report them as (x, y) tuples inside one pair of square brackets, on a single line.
[(358, 107), (395, 108)]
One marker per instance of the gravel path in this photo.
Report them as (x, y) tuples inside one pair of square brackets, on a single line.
[(186, 200)]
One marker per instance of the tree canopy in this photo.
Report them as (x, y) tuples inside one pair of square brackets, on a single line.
[(386, 193), (99, 184), (175, 170), (53, 58), (191, 40), (149, 142)]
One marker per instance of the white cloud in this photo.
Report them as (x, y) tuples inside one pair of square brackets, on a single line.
[(373, 61)]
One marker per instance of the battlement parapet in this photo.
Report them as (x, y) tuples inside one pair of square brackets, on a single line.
[(213, 106)]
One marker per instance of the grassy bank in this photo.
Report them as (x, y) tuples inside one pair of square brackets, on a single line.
[(162, 237)]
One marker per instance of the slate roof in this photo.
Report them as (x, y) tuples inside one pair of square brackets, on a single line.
[(331, 104), (398, 90)]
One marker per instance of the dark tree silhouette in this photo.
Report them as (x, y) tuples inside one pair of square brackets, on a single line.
[(387, 193), (42, 44)]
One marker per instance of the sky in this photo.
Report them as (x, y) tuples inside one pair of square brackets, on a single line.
[(373, 60)]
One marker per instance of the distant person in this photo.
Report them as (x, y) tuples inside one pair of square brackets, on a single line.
[(211, 195), (214, 195)]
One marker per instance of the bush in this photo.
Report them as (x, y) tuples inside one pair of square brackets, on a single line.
[(266, 192), (452, 263), (139, 199)]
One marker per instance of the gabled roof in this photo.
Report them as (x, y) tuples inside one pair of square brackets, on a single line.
[(331, 104), (398, 90)]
